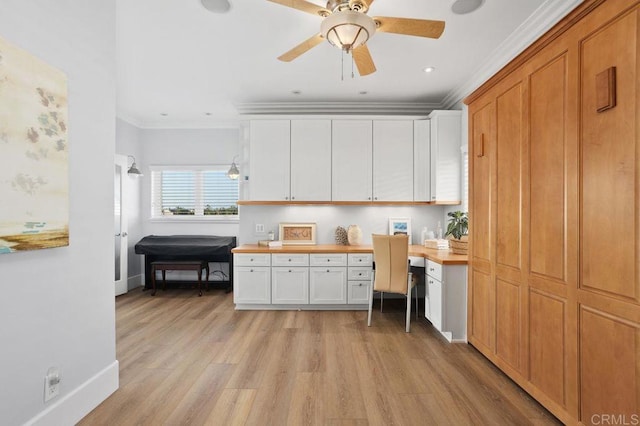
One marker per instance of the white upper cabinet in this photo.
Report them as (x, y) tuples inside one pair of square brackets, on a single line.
[(311, 160), (421, 160), (269, 150), (352, 160), (446, 135), (393, 160)]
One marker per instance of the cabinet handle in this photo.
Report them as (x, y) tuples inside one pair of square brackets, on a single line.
[(286, 198), (431, 269), (251, 260), (289, 260), (481, 150), (375, 198), (369, 198), (360, 274), (289, 270), (360, 285), (328, 270), (293, 198), (430, 281), (250, 270), (328, 260)]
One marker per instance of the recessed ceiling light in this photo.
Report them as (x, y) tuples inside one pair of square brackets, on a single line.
[(461, 7), (296, 92), (216, 6), (429, 69), (363, 92), (164, 114), (207, 113)]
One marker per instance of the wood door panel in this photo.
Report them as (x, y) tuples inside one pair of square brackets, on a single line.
[(481, 139), (548, 94), (610, 156), (482, 308), (508, 319), (508, 181), (609, 366), (547, 344)]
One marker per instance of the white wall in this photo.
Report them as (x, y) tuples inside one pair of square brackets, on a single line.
[(57, 305), (371, 219), (128, 143), (185, 147)]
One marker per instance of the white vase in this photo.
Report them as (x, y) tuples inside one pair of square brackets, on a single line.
[(354, 235)]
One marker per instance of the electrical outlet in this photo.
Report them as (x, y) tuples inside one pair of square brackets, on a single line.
[(51, 384), (259, 228)]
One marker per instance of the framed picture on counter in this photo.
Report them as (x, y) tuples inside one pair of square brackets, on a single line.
[(400, 225), (297, 233)]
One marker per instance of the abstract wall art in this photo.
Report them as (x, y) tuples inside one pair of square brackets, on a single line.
[(34, 183)]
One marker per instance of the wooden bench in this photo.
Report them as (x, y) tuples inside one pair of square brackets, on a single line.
[(179, 265)]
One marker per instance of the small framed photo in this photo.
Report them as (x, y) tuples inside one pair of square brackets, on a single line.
[(400, 225), (297, 233)]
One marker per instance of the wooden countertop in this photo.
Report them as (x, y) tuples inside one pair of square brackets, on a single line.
[(444, 257)]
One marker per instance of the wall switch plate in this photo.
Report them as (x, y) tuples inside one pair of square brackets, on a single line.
[(51, 384), (259, 228)]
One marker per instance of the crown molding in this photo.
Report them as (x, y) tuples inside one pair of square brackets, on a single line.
[(539, 22), (336, 108)]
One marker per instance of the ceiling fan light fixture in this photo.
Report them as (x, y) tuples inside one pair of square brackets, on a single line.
[(347, 29)]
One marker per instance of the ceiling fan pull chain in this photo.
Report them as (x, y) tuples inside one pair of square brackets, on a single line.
[(352, 64)]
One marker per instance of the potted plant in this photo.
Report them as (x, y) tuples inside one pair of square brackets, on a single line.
[(457, 228)]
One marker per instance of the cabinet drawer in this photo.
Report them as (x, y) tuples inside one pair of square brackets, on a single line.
[(328, 259), (434, 270), (290, 259), (360, 259), (252, 259), (359, 273), (358, 292)]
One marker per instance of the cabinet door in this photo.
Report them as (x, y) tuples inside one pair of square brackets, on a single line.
[(351, 160), (311, 160), (446, 137), (270, 160), (290, 285), (435, 302), (358, 293), (421, 160), (327, 285), (393, 160), (251, 285)]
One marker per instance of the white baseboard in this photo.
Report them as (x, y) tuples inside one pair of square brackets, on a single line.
[(135, 281), (78, 403)]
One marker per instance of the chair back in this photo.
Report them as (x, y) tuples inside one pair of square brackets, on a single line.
[(391, 255)]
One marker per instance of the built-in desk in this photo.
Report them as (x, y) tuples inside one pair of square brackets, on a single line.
[(335, 277)]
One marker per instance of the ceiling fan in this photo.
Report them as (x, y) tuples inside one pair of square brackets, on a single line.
[(347, 26)]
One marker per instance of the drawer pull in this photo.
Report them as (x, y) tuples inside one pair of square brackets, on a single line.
[(360, 274), (250, 270), (328, 270), (251, 260), (432, 269), (289, 260), (430, 281), (360, 285), (289, 270)]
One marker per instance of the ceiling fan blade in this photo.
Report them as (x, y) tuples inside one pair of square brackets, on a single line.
[(301, 48), (304, 6), (363, 60), (408, 26)]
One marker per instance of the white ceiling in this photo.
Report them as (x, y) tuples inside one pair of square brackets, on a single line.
[(202, 69)]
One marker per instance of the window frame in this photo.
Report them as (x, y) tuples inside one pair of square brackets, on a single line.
[(156, 200)]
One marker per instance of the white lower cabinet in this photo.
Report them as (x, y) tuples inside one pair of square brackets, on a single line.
[(359, 276), (289, 285), (358, 292), (446, 299), (328, 285), (252, 285)]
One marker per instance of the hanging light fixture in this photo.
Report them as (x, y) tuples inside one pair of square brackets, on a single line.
[(347, 29), (133, 170), (233, 172)]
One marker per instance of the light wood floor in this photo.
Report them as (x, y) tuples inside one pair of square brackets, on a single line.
[(195, 361)]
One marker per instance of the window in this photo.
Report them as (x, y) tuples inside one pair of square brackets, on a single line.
[(192, 192)]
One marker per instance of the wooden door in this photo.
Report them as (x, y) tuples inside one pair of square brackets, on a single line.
[(481, 299), (609, 292)]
